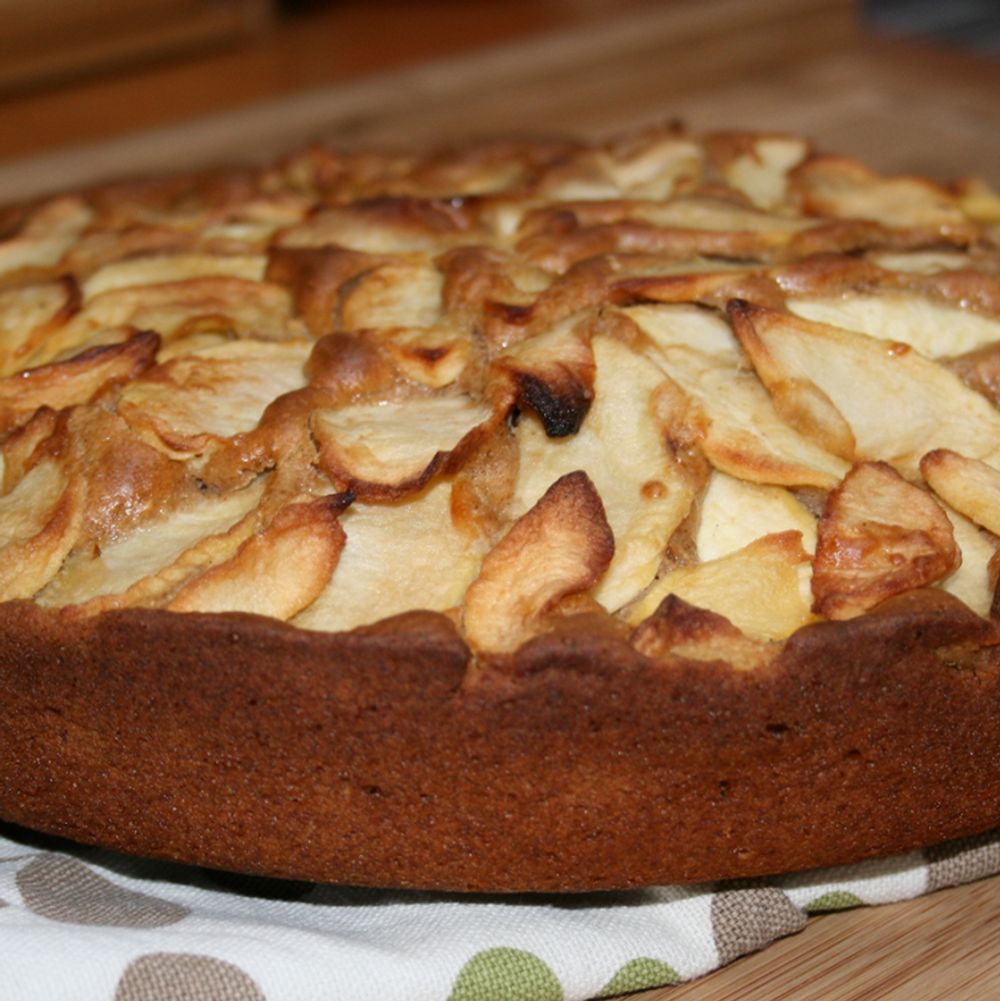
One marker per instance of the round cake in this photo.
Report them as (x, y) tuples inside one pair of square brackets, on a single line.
[(529, 516)]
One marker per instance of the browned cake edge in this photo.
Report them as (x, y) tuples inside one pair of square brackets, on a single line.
[(378, 757)]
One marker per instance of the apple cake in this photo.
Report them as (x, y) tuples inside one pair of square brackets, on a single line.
[(538, 515)]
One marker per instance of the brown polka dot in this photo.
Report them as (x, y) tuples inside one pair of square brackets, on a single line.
[(62, 889), (747, 919), (963, 860), (166, 976)]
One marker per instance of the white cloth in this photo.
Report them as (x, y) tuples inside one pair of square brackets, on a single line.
[(86, 925)]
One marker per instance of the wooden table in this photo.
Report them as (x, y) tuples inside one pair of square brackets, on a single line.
[(943, 946), (793, 65)]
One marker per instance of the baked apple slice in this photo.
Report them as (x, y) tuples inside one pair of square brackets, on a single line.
[(862, 397), (404, 293), (560, 547), (77, 380), (743, 433), (28, 316), (734, 513), (198, 400), (392, 447), (145, 566), (398, 556), (159, 269), (220, 304), (935, 329), (554, 374), (879, 536), (40, 522), (758, 165), (968, 485), (762, 589), (647, 487), (842, 187), (277, 571), (974, 582)]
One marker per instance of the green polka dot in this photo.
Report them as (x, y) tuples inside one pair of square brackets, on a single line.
[(835, 900), (640, 974), (506, 974)]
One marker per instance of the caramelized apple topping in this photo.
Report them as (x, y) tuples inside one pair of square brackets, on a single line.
[(968, 485), (879, 536), (699, 391), (861, 397), (561, 546)]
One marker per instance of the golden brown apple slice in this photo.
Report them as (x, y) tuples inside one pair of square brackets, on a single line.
[(979, 200), (400, 294), (199, 399), (127, 481), (842, 187), (220, 303), (653, 166), (879, 536), (32, 252), (861, 397), (50, 231), (554, 375), (158, 269), (622, 445), (153, 559), (247, 308), (762, 589), (560, 236), (971, 582), (389, 448), (350, 368), (933, 328), (277, 571), (315, 277), (123, 480), (40, 521), (77, 380), (28, 315), (677, 629), (398, 556), (560, 547), (434, 357), (105, 244), (234, 306), (758, 165), (743, 433), (735, 512), (389, 225), (968, 485), (17, 451), (483, 486)]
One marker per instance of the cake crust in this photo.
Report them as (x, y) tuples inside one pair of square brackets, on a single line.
[(373, 758)]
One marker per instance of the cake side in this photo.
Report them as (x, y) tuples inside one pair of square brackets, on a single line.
[(236, 742)]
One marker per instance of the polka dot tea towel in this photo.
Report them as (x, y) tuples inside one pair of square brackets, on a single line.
[(79, 924)]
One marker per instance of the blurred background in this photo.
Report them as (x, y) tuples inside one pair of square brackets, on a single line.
[(99, 88)]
